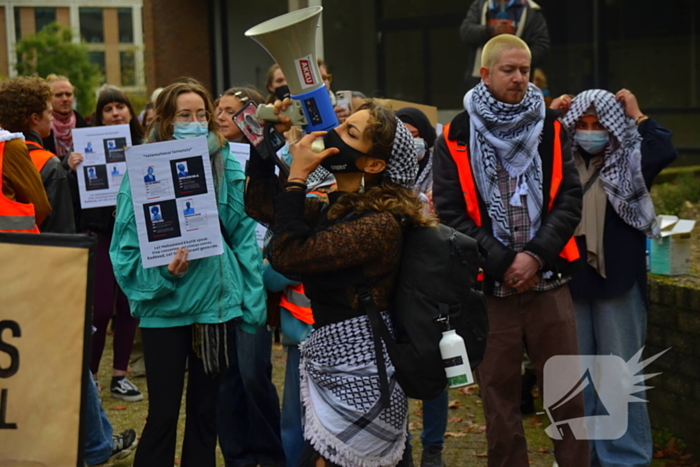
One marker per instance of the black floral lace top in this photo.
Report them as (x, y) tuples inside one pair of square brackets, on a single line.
[(332, 258)]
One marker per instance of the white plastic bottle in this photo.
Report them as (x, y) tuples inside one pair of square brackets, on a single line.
[(455, 359)]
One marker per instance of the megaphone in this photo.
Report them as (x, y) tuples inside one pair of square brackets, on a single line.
[(290, 40)]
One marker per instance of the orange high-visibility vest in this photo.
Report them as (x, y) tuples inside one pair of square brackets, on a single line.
[(460, 155), (15, 216), (295, 300), (39, 155)]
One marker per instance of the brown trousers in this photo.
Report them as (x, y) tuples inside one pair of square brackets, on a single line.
[(544, 324)]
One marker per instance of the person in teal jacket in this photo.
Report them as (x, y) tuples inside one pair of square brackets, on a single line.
[(190, 311)]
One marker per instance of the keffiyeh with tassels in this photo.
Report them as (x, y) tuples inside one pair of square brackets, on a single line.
[(621, 174), (509, 133)]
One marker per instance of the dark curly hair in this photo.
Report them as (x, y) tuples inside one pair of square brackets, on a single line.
[(20, 98)]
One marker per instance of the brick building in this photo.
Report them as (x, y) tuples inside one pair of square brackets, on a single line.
[(113, 31)]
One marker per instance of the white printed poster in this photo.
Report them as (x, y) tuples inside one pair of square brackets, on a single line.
[(104, 163), (174, 200)]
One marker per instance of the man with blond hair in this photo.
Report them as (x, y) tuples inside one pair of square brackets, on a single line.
[(490, 18), (65, 119), (504, 175)]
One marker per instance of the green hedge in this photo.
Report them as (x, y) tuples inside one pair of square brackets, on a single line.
[(670, 197)]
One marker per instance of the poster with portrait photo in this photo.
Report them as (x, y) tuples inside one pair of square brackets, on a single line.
[(174, 202), (162, 221), (188, 176), (104, 164), (114, 149), (95, 177), (194, 220)]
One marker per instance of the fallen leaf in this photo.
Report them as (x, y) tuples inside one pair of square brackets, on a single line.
[(543, 451), (119, 407), (455, 420), (470, 390), (414, 426), (453, 434), (483, 454), (454, 403)]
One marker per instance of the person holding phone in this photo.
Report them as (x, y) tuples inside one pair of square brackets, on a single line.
[(191, 312), (249, 413), (333, 247)]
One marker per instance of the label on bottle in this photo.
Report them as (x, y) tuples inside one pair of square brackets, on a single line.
[(457, 380), (454, 361)]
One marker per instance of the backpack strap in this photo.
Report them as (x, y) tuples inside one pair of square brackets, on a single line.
[(379, 332)]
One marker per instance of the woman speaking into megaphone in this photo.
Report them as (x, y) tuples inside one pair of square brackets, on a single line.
[(353, 239)]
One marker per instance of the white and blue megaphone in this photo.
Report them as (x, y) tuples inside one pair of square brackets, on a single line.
[(290, 40)]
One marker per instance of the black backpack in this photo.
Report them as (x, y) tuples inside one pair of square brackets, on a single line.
[(436, 279)]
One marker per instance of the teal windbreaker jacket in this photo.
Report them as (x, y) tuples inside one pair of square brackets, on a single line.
[(215, 289)]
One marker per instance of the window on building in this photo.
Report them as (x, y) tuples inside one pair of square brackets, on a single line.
[(127, 63), (44, 17), (98, 58), (18, 24), (92, 25), (126, 25)]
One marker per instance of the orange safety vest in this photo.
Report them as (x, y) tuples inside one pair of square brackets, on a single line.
[(295, 300), (15, 216), (460, 155), (39, 155)]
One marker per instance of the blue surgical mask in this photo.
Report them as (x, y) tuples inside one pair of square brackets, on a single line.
[(592, 141), (284, 154), (420, 148), (184, 130)]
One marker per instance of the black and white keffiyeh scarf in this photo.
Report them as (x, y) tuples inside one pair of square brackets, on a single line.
[(509, 133), (402, 165), (344, 418), (621, 174)]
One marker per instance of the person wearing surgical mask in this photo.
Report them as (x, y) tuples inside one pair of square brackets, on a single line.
[(618, 151), (424, 137), (191, 311)]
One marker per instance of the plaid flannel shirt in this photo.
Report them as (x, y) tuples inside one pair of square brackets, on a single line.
[(519, 222)]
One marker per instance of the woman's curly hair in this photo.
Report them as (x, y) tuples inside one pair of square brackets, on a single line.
[(20, 98), (387, 196)]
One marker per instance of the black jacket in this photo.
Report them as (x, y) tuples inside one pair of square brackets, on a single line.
[(57, 191), (475, 35), (557, 227), (49, 143), (624, 246)]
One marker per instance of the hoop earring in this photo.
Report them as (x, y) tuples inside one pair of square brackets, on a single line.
[(362, 184)]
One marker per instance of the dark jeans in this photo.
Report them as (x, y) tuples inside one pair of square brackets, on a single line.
[(545, 324), (292, 432), (110, 300), (249, 413), (167, 353)]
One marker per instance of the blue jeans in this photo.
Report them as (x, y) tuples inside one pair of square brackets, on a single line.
[(435, 421), (98, 430), (249, 414), (292, 433), (616, 326)]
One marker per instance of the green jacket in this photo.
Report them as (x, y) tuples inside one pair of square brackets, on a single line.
[(215, 289)]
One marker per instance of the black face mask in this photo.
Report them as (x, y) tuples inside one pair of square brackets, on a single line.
[(344, 161), (282, 92)]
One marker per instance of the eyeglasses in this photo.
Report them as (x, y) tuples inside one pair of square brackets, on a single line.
[(328, 78), (186, 116)]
